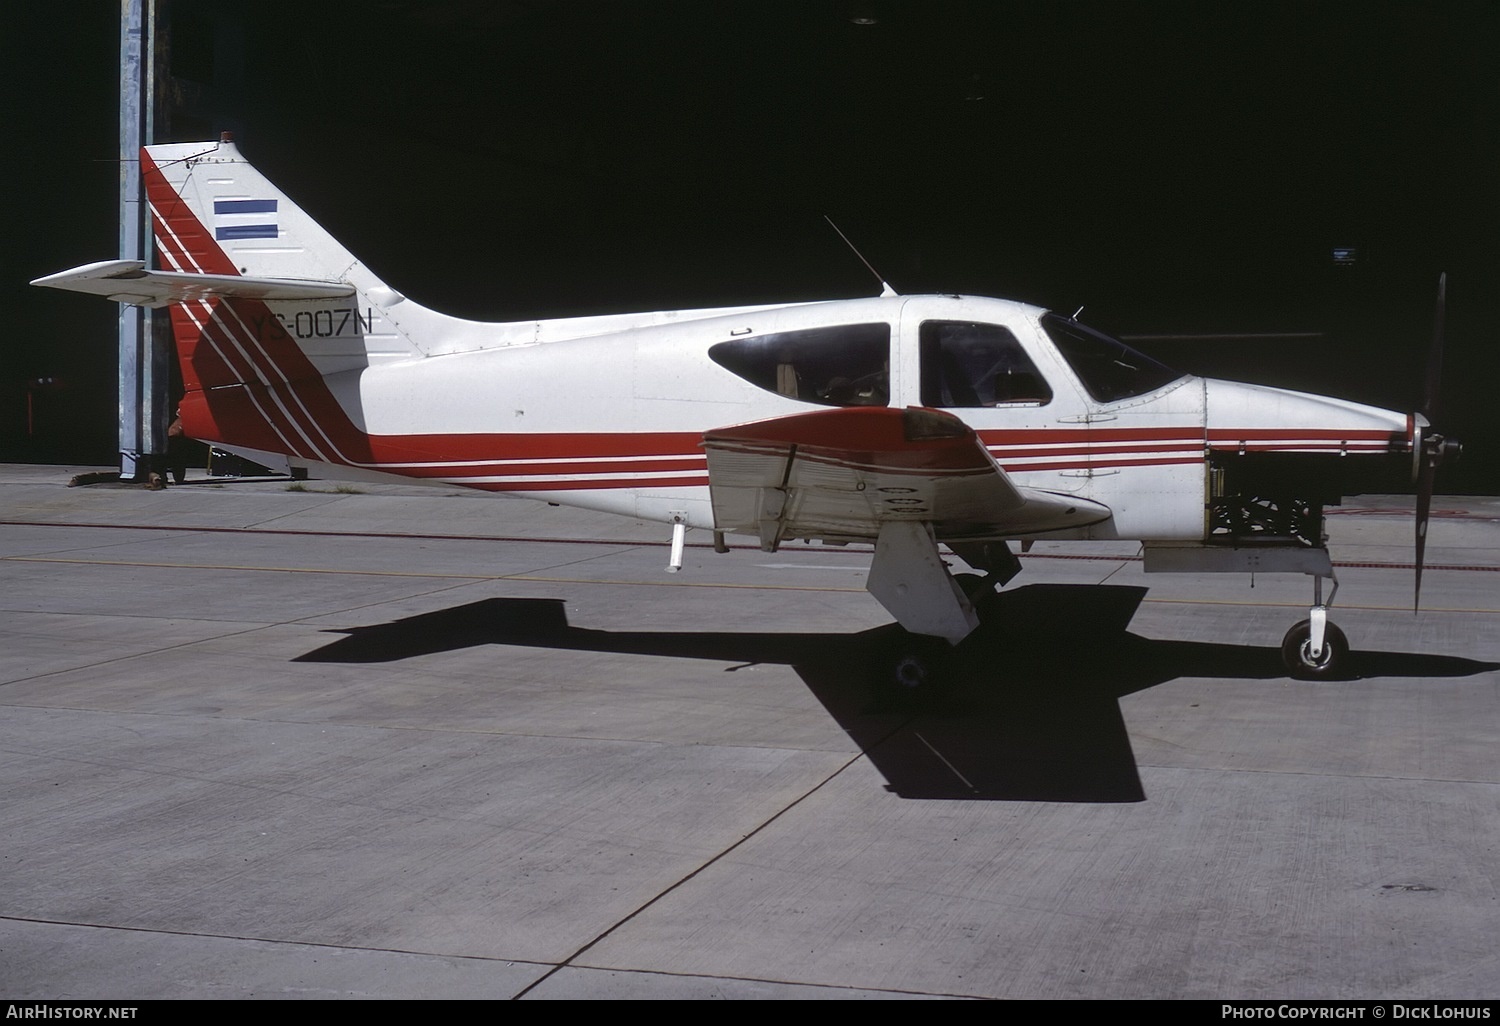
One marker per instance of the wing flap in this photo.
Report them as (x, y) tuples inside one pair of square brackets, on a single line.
[(128, 281), (841, 474)]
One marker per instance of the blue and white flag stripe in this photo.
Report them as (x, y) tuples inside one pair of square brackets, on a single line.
[(245, 219)]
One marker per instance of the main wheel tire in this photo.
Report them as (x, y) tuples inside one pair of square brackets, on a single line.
[(916, 667), (913, 671), (1296, 652)]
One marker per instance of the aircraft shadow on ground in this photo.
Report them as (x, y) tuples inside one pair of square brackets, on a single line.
[(1030, 713)]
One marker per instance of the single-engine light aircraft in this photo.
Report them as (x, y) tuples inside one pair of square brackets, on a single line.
[(908, 422)]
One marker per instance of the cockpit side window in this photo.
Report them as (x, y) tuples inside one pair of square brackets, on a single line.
[(1108, 368), (838, 365), (965, 364)]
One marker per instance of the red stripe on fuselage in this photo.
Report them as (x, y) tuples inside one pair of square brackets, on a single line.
[(457, 470), (1145, 461), (1282, 433), (1183, 434), (1079, 435), (699, 481)]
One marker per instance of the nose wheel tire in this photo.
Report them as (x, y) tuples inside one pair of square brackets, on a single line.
[(1329, 664)]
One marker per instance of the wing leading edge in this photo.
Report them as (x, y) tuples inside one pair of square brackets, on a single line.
[(843, 474)]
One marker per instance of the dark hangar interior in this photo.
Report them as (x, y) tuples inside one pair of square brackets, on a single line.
[(1265, 192)]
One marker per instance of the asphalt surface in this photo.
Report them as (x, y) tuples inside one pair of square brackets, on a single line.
[(264, 742)]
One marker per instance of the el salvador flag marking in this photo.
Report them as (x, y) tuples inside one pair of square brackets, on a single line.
[(245, 219)]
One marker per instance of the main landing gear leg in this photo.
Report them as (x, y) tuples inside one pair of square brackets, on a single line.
[(909, 578), (1315, 648)]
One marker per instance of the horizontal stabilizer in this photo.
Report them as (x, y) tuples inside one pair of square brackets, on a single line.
[(128, 281)]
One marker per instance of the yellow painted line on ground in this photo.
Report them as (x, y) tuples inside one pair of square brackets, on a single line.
[(686, 584), (256, 569), (672, 583), (1304, 605), (523, 576)]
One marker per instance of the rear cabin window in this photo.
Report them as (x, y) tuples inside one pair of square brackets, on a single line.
[(839, 365), (965, 364)]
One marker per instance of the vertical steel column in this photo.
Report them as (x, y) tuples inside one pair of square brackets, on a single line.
[(156, 341), (142, 381), (132, 318)]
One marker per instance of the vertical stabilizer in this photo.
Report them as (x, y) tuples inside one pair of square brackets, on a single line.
[(214, 213), (278, 375)]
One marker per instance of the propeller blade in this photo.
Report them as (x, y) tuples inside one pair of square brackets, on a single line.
[(1424, 507), (1435, 353)]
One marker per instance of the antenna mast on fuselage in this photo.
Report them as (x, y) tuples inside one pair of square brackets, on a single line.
[(885, 287)]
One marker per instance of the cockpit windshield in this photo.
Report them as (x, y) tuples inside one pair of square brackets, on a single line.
[(1109, 369)]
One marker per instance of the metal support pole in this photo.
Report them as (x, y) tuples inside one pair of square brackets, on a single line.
[(142, 383), (132, 31)]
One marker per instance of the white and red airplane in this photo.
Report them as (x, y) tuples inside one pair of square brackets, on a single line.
[(903, 421)]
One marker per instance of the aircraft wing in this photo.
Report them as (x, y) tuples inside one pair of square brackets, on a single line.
[(128, 281), (842, 474)]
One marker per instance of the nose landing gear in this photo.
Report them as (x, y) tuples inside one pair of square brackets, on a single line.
[(1315, 649)]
